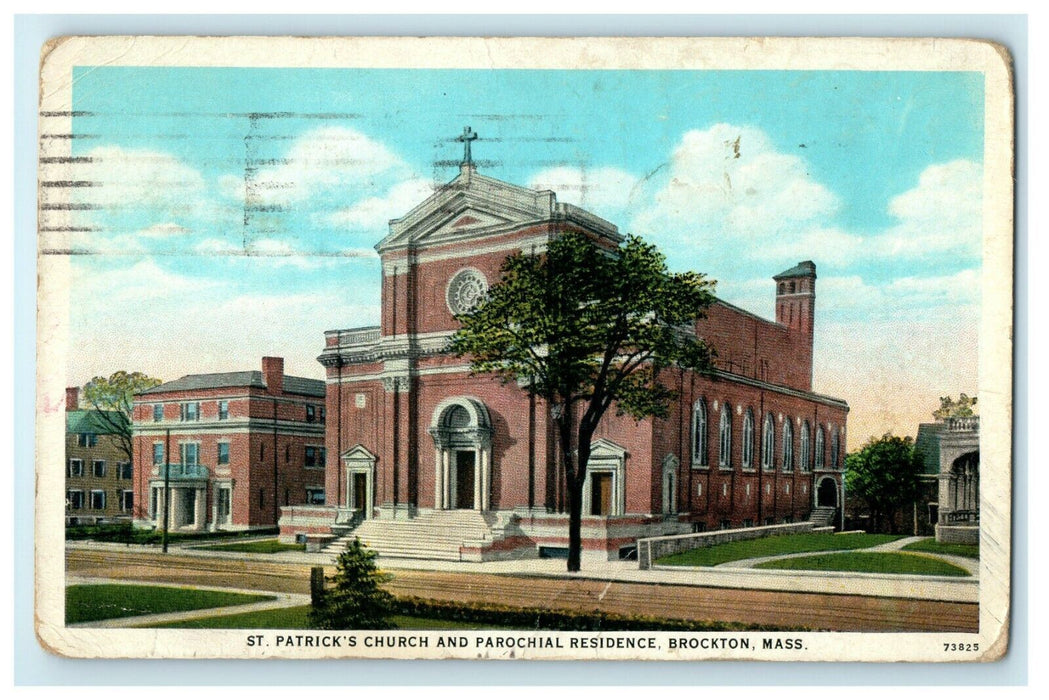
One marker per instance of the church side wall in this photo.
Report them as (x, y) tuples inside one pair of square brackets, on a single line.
[(757, 348)]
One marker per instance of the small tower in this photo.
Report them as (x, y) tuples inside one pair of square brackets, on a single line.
[(796, 308), (796, 296)]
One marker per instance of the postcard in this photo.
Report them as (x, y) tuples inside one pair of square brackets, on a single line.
[(524, 348)]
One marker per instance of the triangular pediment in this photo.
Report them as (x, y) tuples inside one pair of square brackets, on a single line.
[(469, 206), (358, 453)]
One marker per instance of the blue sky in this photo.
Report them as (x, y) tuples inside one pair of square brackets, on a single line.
[(227, 198)]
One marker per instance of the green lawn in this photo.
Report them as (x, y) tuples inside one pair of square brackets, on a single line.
[(771, 546), (295, 618), (257, 547), (970, 551), (870, 562), (90, 603)]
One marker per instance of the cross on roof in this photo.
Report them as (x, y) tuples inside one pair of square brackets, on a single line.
[(465, 138)]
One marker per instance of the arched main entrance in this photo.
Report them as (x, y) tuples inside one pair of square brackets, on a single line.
[(462, 436), (964, 488), (827, 493)]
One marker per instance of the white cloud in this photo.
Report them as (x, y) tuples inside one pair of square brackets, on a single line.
[(942, 214), (164, 230), (376, 212), (729, 180), (153, 182), (322, 158), (598, 189)]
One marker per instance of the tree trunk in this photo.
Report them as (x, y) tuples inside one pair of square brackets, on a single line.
[(575, 525)]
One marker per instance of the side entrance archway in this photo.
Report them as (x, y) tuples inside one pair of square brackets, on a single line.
[(827, 493), (462, 435)]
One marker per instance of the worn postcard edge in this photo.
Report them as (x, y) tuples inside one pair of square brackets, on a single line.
[(995, 349)]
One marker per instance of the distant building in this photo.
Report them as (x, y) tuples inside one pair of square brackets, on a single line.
[(236, 446), (926, 508), (428, 460), (99, 484), (959, 480)]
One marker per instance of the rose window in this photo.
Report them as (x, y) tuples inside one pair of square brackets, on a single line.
[(466, 290)]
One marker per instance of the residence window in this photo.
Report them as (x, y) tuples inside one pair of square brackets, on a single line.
[(324, 414), (768, 443), (86, 440), (788, 446), (287, 453), (158, 412), (223, 410), (315, 496), (699, 433), (725, 431), (189, 453), (75, 499), (262, 450), (804, 462), (223, 453), (76, 467), (158, 453), (127, 500), (748, 440), (98, 500), (726, 524), (315, 456), (819, 448), (98, 468), (834, 443), (124, 470), (311, 413), (190, 411)]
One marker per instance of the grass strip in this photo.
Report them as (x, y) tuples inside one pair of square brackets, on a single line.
[(94, 602), (869, 562), (969, 551), (257, 547), (772, 546)]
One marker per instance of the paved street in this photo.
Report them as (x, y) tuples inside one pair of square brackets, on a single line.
[(818, 611)]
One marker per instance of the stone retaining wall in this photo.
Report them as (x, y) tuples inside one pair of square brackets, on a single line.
[(651, 548)]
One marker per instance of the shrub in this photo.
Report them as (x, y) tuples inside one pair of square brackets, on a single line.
[(357, 600)]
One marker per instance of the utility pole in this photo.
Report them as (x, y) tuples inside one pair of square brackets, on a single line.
[(167, 489)]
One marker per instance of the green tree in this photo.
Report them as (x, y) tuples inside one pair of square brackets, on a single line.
[(357, 600), (964, 407), (884, 474), (111, 399), (584, 326)]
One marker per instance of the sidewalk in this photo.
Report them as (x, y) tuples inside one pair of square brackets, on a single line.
[(933, 588)]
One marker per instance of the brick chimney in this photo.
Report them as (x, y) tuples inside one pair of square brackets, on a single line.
[(273, 374), (72, 398)]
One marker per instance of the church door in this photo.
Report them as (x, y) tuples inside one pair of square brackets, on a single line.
[(827, 494), (360, 491), (464, 479), (600, 493)]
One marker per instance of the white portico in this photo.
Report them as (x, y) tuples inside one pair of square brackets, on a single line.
[(462, 434)]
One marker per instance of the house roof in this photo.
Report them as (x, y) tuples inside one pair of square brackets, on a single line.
[(88, 421), (222, 380), (928, 443), (805, 268)]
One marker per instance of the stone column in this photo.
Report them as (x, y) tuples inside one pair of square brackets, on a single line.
[(478, 478), (176, 507), (438, 479), (486, 479), (446, 481), (199, 510), (159, 514)]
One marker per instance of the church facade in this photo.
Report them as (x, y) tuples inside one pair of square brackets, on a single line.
[(428, 460)]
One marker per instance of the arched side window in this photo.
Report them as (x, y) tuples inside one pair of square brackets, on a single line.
[(748, 440), (788, 445), (725, 433), (768, 442), (819, 448), (834, 449), (803, 457), (699, 434)]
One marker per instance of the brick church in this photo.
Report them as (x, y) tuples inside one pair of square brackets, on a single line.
[(426, 460)]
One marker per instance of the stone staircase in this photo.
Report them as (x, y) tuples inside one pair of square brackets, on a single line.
[(433, 535), (823, 517)]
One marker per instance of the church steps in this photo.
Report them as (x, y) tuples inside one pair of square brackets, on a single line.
[(433, 535)]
